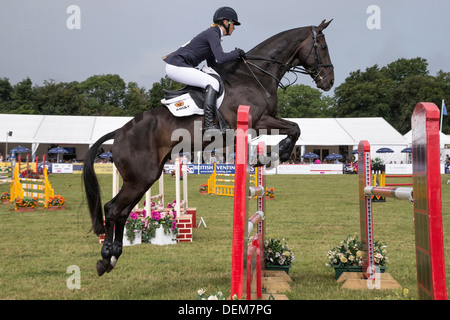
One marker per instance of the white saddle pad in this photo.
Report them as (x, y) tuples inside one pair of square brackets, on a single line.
[(184, 105)]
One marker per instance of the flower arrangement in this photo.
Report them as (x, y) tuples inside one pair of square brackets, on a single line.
[(349, 253), (56, 201), (26, 202), (171, 205), (204, 187), (277, 252), (6, 196), (270, 193), (378, 164), (28, 173), (217, 296), (133, 225), (174, 175), (166, 219)]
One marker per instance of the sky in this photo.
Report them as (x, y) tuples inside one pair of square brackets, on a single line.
[(48, 40)]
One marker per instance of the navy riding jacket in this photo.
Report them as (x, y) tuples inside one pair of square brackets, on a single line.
[(205, 46)]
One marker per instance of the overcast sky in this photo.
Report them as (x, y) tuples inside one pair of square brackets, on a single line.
[(130, 37)]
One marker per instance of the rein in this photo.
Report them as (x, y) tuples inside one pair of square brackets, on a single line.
[(314, 72)]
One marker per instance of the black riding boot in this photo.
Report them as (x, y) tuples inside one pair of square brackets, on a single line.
[(209, 107)]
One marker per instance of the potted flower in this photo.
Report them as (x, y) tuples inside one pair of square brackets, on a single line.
[(133, 230), (25, 204), (6, 197), (201, 295), (204, 188), (278, 255), (174, 175), (57, 202), (270, 193), (161, 227), (378, 165), (28, 173), (348, 256)]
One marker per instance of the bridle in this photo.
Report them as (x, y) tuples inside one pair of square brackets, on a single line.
[(289, 67)]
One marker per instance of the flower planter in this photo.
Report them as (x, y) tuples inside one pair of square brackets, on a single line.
[(161, 238), (6, 201), (204, 192), (137, 239), (277, 267), (25, 209), (340, 270), (55, 208), (269, 198)]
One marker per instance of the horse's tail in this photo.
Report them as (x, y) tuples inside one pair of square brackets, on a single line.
[(92, 187)]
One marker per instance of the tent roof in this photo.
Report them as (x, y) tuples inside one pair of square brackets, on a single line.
[(57, 129), (343, 131), (87, 130), (444, 138)]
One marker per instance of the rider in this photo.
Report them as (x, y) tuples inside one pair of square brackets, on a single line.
[(181, 64)]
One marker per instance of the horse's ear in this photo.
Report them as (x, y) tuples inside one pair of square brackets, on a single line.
[(323, 25)]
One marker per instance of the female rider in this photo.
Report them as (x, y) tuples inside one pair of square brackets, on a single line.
[(181, 64)]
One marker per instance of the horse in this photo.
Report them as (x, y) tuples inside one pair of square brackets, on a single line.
[(143, 145)]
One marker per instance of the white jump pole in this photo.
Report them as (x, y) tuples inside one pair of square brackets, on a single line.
[(115, 184), (177, 187), (185, 186), (178, 174)]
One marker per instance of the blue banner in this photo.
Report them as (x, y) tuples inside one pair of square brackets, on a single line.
[(209, 168)]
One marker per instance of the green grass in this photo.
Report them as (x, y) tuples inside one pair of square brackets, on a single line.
[(313, 212)]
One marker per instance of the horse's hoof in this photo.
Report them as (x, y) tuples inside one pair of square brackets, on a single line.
[(264, 160), (110, 267), (101, 267)]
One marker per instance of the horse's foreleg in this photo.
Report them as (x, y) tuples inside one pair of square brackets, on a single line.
[(284, 127)]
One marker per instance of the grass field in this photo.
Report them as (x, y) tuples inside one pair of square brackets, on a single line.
[(313, 212)]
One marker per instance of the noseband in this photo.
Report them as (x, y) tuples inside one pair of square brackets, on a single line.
[(314, 72)]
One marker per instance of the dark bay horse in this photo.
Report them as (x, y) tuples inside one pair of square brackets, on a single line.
[(143, 145)]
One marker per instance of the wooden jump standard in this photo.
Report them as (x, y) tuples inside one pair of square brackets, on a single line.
[(426, 195), (247, 262)]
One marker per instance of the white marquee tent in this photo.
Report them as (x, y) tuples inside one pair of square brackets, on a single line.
[(319, 133), (38, 132)]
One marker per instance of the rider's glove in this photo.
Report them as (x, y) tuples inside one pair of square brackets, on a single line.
[(241, 53)]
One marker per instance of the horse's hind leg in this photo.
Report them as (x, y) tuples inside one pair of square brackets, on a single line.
[(116, 213)]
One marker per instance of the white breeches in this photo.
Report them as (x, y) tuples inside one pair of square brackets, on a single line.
[(191, 76)]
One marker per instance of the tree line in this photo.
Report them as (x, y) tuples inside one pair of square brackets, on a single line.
[(390, 92)]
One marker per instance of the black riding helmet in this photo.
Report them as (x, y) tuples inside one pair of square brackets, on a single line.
[(228, 14)]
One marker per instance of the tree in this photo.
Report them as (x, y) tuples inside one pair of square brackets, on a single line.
[(301, 101), (102, 95), (391, 92), (406, 95), (136, 99), (365, 94), (6, 90), (58, 98), (442, 92), (23, 98), (403, 68), (157, 93)]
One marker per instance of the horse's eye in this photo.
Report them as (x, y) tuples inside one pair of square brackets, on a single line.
[(324, 47)]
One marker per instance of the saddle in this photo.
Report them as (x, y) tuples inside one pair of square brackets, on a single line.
[(188, 100)]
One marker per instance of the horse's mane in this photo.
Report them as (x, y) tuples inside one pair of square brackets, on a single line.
[(294, 36), (270, 48)]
